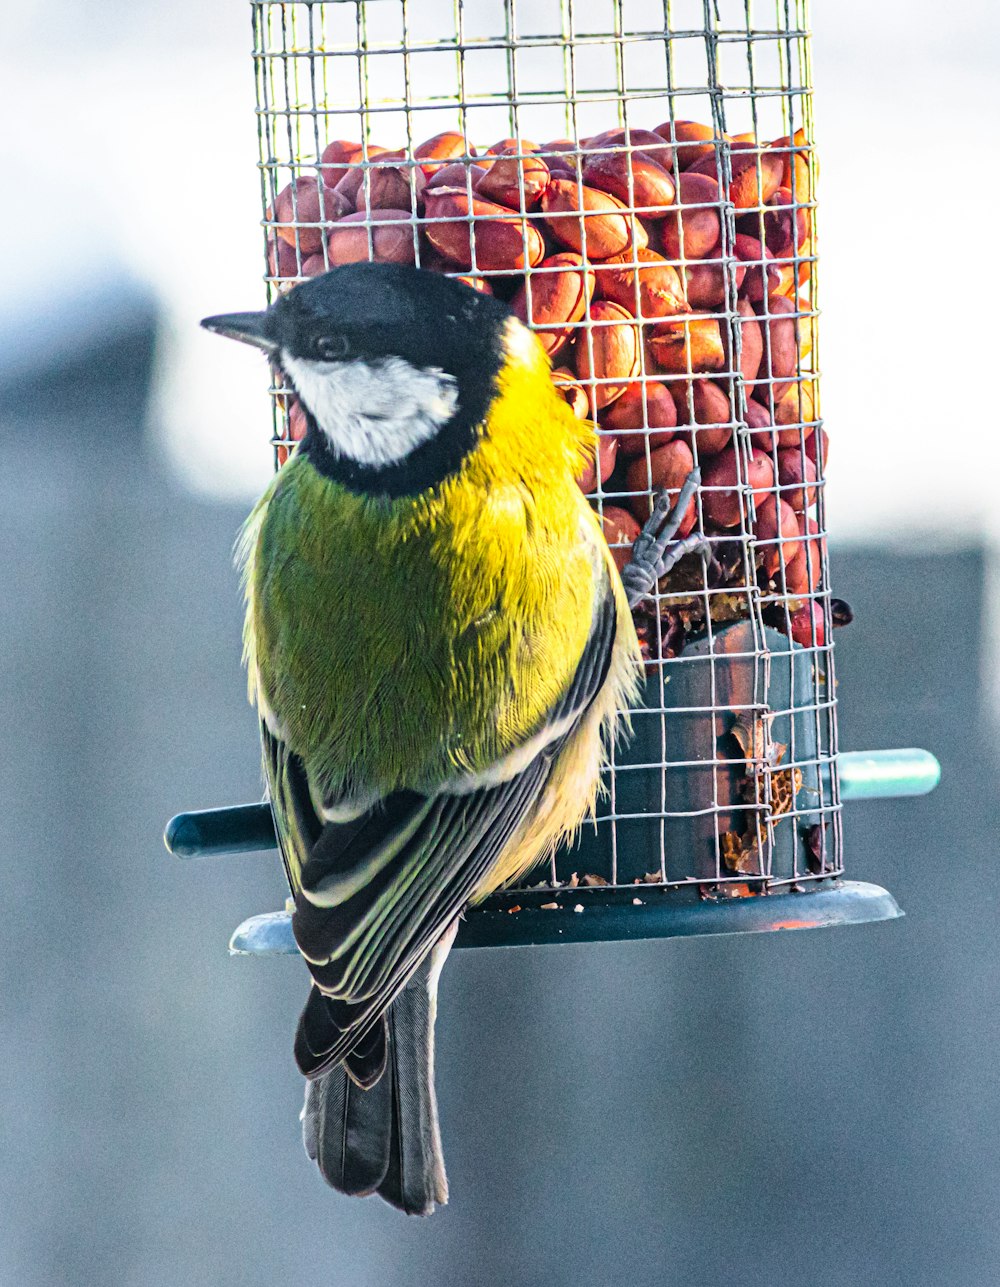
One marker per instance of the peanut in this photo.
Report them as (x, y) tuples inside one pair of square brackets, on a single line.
[(392, 238), (630, 414), (687, 344), (501, 240), (598, 225), (648, 287), (667, 467), (559, 292), (615, 350), (692, 228)]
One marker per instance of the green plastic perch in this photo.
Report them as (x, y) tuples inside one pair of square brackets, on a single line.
[(247, 828), (517, 918)]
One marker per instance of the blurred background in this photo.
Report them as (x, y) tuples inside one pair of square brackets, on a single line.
[(816, 1108)]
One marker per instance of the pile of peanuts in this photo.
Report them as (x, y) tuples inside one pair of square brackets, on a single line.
[(612, 249)]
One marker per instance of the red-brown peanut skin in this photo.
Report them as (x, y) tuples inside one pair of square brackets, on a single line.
[(297, 425), (626, 414), (689, 343), (816, 547), (755, 256), (709, 427), (607, 454), (499, 235), (609, 229), (502, 181), (507, 147), (794, 469), (758, 417), (435, 152), (818, 449), (645, 140), (808, 626), (282, 260), (786, 433), (572, 391), (706, 284), (804, 573), (667, 467), (653, 289), (392, 238), (306, 201), (456, 174), (758, 420), (691, 233), (314, 265), (348, 187), (782, 438), (779, 332), (796, 407), (706, 165), (694, 141), (777, 549), (564, 158), (795, 151), (615, 351), (560, 291), (782, 223), (389, 188), (620, 530), (750, 188), (723, 507), (652, 188), (568, 165), (751, 342), (335, 159)]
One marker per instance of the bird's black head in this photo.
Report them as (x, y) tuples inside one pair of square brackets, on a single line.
[(394, 367)]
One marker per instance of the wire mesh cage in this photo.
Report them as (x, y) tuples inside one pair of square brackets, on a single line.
[(637, 180), (659, 239)]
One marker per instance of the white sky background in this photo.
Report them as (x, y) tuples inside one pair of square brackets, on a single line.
[(130, 152)]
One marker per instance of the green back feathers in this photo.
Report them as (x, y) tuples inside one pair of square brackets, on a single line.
[(395, 642)]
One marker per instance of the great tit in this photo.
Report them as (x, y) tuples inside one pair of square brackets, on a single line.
[(440, 650)]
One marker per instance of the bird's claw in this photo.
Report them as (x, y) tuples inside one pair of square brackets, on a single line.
[(655, 551)]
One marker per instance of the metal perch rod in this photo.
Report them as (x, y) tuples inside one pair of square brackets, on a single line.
[(247, 828)]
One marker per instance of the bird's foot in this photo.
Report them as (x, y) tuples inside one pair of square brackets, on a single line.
[(655, 552)]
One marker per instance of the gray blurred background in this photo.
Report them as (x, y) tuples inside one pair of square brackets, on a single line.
[(813, 1109)]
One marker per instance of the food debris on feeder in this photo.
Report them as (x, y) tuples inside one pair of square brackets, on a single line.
[(812, 840), (741, 851)]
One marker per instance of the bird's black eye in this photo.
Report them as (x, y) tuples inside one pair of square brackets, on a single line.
[(332, 346)]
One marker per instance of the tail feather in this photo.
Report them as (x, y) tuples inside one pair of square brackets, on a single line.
[(415, 1180), (386, 1138), (367, 1062), (346, 1131)]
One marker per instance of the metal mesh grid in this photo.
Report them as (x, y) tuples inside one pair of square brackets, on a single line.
[(375, 117)]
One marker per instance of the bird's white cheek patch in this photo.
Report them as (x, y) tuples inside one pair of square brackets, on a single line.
[(376, 413)]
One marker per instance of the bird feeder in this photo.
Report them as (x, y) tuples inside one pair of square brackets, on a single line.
[(638, 181)]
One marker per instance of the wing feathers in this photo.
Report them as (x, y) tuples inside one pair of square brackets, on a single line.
[(376, 893)]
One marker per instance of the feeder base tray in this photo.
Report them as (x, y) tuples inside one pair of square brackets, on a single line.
[(591, 915)]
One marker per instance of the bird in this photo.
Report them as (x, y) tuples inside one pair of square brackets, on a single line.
[(441, 654)]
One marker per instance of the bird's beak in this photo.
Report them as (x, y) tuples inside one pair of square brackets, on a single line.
[(250, 328)]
